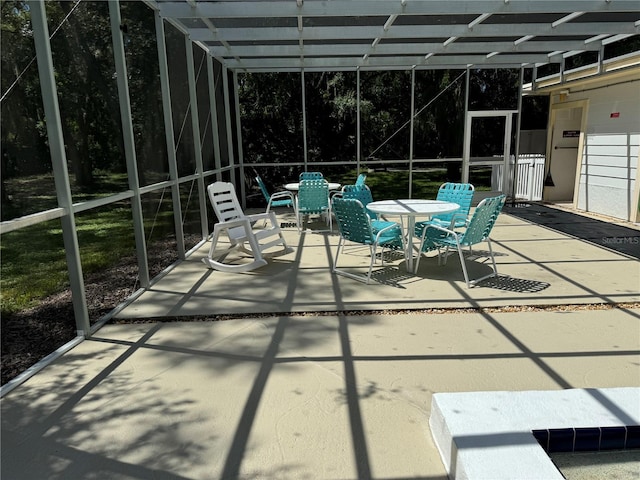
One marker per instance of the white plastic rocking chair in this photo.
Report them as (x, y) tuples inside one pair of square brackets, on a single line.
[(239, 228)]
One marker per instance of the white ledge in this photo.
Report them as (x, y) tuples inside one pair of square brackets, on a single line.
[(488, 435)]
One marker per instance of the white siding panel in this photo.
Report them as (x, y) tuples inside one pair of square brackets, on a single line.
[(622, 99), (606, 181), (594, 139), (608, 150), (600, 160), (605, 200), (608, 171), (610, 157)]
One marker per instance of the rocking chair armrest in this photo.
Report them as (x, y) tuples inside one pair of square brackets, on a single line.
[(262, 216), (238, 222)]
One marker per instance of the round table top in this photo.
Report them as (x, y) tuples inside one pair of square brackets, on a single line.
[(296, 186), (412, 207)]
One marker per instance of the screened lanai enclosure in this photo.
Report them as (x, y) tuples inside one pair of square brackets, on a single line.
[(116, 116)]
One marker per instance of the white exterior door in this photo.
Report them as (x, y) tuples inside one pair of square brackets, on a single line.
[(566, 131), (487, 146)]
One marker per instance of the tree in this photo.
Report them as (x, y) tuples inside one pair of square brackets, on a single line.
[(88, 97), (271, 112), (24, 149)]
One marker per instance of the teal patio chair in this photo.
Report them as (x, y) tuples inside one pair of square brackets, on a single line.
[(354, 226), (313, 199), (460, 193), (278, 199), (311, 176), (363, 194), (435, 237)]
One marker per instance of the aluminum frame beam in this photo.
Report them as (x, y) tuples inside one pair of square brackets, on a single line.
[(122, 80), (358, 49), (410, 31), (336, 35), (288, 8), (460, 61)]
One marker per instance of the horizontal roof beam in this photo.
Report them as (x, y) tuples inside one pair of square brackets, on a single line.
[(289, 8), (366, 68), (460, 61), (410, 31), (283, 35), (399, 48)]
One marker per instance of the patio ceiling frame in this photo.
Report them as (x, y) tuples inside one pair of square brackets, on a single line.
[(285, 35)]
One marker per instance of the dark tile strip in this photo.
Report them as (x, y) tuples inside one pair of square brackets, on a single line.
[(588, 439)]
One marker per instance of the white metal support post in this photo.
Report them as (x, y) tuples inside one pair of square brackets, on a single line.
[(466, 146), (514, 178), (304, 121), (236, 100), (413, 109), (507, 150), (197, 142), (600, 58), (59, 163), (227, 120), (213, 106), (358, 145), (169, 133), (129, 143)]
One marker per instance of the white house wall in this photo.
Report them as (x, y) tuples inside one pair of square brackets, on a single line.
[(609, 167)]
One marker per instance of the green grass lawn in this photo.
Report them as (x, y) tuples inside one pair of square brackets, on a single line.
[(34, 264), (388, 184)]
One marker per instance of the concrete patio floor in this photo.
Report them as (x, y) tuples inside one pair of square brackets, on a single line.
[(537, 266), (320, 396)]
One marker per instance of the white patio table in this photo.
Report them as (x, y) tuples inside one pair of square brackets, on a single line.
[(411, 209), (294, 187)]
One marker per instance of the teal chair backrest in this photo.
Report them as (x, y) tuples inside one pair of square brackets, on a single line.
[(263, 188), (313, 196), (483, 219), (311, 176), (460, 193), (361, 193), (361, 179), (353, 220)]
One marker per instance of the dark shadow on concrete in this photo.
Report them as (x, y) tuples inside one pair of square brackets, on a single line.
[(512, 284), (604, 234)]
